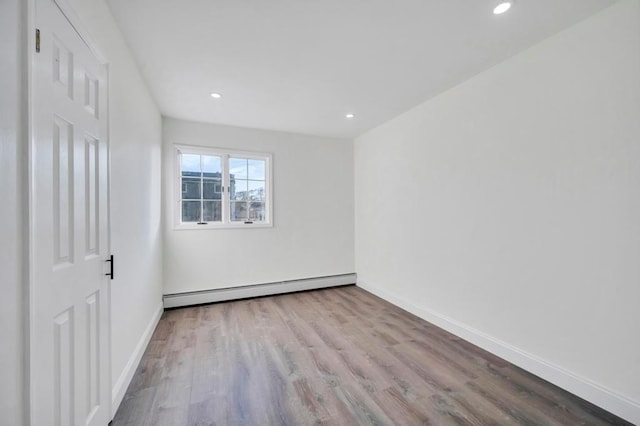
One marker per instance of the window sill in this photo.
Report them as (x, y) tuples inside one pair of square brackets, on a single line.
[(210, 226)]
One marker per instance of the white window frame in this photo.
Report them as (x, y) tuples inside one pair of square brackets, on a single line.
[(224, 154)]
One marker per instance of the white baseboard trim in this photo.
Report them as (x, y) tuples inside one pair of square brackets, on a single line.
[(244, 292), (121, 385), (595, 393)]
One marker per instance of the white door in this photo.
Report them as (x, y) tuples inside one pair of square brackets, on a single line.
[(69, 238)]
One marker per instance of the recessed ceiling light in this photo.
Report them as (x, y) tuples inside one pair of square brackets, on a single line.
[(350, 116), (502, 7), (216, 95)]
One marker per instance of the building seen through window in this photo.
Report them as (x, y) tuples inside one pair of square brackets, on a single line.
[(215, 188)]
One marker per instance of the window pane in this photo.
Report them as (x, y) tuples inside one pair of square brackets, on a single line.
[(256, 211), (190, 165), (239, 189), (190, 188), (211, 166), (238, 168), (256, 169), (212, 211), (238, 211), (212, 189), (191, 211), (256, 190)]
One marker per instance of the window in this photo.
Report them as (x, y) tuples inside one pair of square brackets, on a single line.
[(219, 188)]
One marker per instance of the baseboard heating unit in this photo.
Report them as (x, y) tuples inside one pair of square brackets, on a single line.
[(243, 292)]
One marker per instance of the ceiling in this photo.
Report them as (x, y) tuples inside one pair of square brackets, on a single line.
[(301, 65)]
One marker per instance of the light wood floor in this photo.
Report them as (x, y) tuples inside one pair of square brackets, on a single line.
[(338, 356)]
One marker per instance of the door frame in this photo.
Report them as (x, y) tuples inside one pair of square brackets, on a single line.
[(29, 60)]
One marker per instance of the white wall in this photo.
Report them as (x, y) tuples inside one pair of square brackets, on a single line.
[(313, 213), (11, 214), (136, 240), (508, 208)]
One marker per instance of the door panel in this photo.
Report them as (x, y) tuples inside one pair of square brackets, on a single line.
[(69, 303)]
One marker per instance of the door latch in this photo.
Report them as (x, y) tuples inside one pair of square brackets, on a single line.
[(110, 273)]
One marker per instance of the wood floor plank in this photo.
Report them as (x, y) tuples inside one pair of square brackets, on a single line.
[(337, 356)]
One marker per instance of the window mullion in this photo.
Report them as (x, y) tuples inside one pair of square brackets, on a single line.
[(246, 203), (201, 191), (179, 188), (226, 194)]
